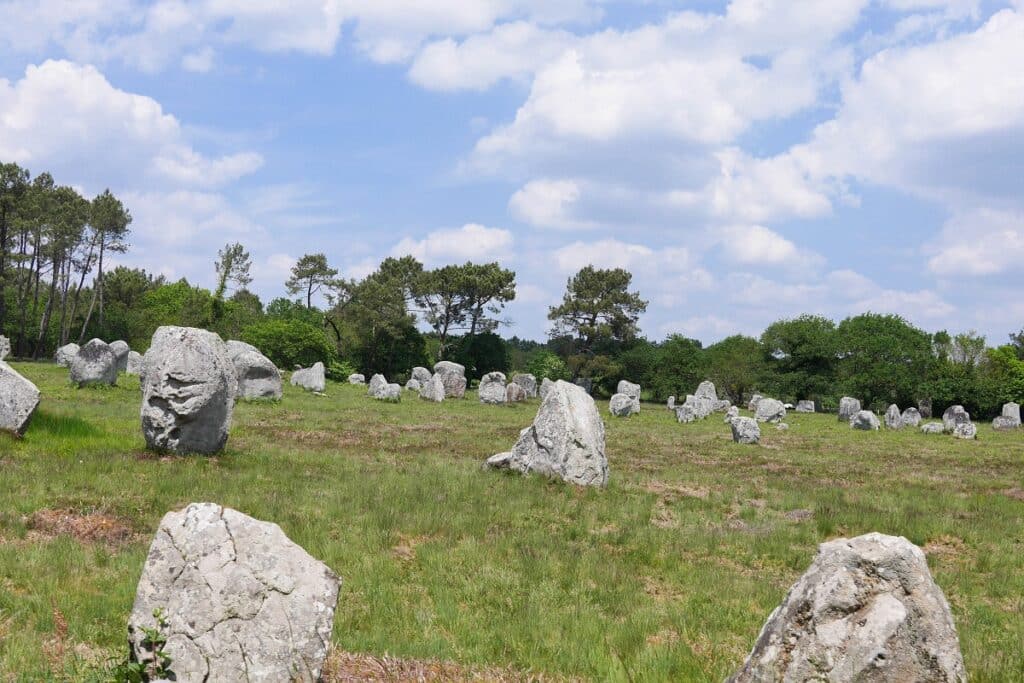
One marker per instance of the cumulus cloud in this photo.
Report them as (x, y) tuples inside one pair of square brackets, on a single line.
[(980, 242), (758, 245), (548, 204), (471, 242)]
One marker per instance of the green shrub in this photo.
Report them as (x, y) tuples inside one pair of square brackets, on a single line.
[(290, 342), (546, 364)]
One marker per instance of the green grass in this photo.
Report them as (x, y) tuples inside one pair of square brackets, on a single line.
[(666, 575)]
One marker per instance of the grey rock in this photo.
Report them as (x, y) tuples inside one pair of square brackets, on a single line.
[(721, 405), (865, 420), (965, 430), (5, 347), (867, 609), (453, 376), (893, 417), (911, 417), (492, 389), (584, 383), (545, 387), (242, 601), (754, 400), (671, 403), (706, 389), (515, 393), (566, 440), (528, 382), (65, 354), (787, 406), (391, 393), (745, 430), (311, 379), (782, 427), (19, 399), (924, 406), (1011, 411), (804, 406), (433, 389), (932, 428), (235, 347), (356, 378), (188, 391), (701, 405), (770, 410), (256, 375), (848, 407), (685, 413), (376, 386), (732, 414), (134, 365), (421, 375), (954, 415), (1004, 424), (121, 350), (629, 389), (95, 363), (621, 405), (413, 385)]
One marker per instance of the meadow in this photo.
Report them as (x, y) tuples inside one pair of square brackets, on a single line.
[(668, 574)]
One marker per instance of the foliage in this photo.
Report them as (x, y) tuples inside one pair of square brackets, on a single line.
[(598, 305), (801, 357), (882, 359), (680, 365), (481, 353), (736, 365), (233, 265), (288, 343), (543, 363), (311, 275)]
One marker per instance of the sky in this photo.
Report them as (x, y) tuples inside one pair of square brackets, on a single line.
[(747, 161)]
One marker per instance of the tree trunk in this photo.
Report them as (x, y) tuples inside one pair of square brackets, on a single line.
[(44, 324)]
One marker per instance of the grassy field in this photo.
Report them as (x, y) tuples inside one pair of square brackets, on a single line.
[(666, 575)]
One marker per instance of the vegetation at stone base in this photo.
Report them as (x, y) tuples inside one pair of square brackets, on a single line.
[(666, 575)]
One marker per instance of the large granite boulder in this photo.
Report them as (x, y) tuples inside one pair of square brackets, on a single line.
[(566, 440), (865, 420), (621, 405), (19, 399), (848, 407), (121, 350), (5, 347), (188, 391), (745, 430), (965, 430), (256, 375), (528, 382), (421, 375), (453, 376), (770, 410), (631, 390), (911, 417), (545, 387), (376, 386), (515, 393), (357, 378), (391, 393), (492, 388), (95, 363), (134, 365), (804, 406), (242, 602), (65, 354), (1011, 411), (685, 413), (954, 415), (311, 379), (867, 609), (433, 389), (706, 389), (932, 428), (893, 417), (413, 385)]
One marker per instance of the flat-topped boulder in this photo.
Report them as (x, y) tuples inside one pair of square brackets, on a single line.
[(313, 378), (745, 430), (492, 388), (95, 363), (453, 376), (356, 378), (242, 601), (848, 407), (770, 410), (893, 417), (188, 391), (804, 407), (433, 389), (565, 441), (19, 399), (256, 375), (865, 420), (65, 354), (867, 609), (528, 382)]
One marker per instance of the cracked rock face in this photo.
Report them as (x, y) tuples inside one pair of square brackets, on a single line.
[(528, 382), (745, 430), (65, 354), (256, 375), (868, 610), (492, 388), (453, 376), (565, 441), (848, 407), (95, 363), (242, 601), (545, 387), (121, 351), (188, 391), (311, 379), (19, 399)]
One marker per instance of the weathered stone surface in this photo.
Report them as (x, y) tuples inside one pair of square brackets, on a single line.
[(433, 389), (893, 417), (5, 347), (804, 406), (621, 405), (865, 420), (356, 378), (671, 403), (566, 440), (413, 385), (453, 376), (754, 400), (421, 375), (376, 386), (242, 601), (924, 406), (121, 350), (706, 389), (391, 393), (492, 388), (732, 413), (965, 430), (721, 405), (745, 430), (701, 405), (515, 393), (19, 399), (134, 366), (188, 391), (256, 375), (770, 410), (545, 387), (629, 389), (1011, 411), (95, 363), (911, 417), (848, 407), (1004, 424), (311, 379), (954, 415), (528, 382), (685, 413), (65, 354), (867, 609), (932, 428)]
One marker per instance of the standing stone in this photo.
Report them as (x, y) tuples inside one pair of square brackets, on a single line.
[(188, 391), (754, 400), (95, 363), (256, 375), (732, 414), (893, 417), (954, 415), (356, 378), (311, 379), (685, 413), (721, 405), (1004, 424), (377, 384), (671, 403), (932, 428), (121, 350), (566, 440), (391, 393), (924, 406), (965, 430), (867, 609), (134, 366), (911, 417), (421, 375), (528, 382), (242, 601), (865, 420), (706, 389), (848, 407), (745, 430), (433, 389), (621, 405), (453, 376), (65, 354), (805, 406), (492, 388), (770, 410), (19, 399), (5, 347), (413, 385), (1011, 411), (514, 393), (545, 387), (631, 390)]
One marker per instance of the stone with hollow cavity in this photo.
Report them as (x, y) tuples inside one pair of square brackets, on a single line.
[(865, 420), (19, 399), (312, 378), (95, 363), (242, 601), (867, 609), (188, 391), (492, 389)]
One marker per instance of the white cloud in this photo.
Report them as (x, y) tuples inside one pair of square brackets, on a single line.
[(200, 61), (608, 253), (548, 204), (704, 327), (980, 242), (471, 242), (758, 245)]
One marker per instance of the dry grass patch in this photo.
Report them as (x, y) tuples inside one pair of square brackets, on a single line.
[(346, 667), (91, 527)]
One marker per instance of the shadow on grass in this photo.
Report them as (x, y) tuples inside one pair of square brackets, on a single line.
[(61, 425)]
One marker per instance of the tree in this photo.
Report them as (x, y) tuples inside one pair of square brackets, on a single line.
[(109, 221), (681, 366), (543, 364), (801, 355), (13, 185), (488, 288), (441, 297), (1017, 343), (882, 359), (736, 365), (232, 266), (310, 275), (482, 353), (598, 305)]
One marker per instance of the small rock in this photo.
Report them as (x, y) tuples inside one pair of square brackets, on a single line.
[(965, 430), (121, 350), (311, 379), (848, 407), (515, 393), (433, 389), (745, 430), (528, 382), (782, 427), (356, 378), (65, 354), (805, 406), (1011, 411), (1004, 424), (671, 403), (621, 405), (19, 399), (893, 417), (492, 389), (770, 410), (95, 363), (413, 385), (932, 428), (911, 417), (134, 366), (754, 400), (954, 415), (391, 393), (421, 375), (732, 414), (685, 413), (376, 386), (865, 420)]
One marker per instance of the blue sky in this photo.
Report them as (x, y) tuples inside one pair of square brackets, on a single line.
[(746, 160)]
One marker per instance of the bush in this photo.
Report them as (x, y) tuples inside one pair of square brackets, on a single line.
[(481, 354), (546, 364), (340, 370), (290, 342)]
